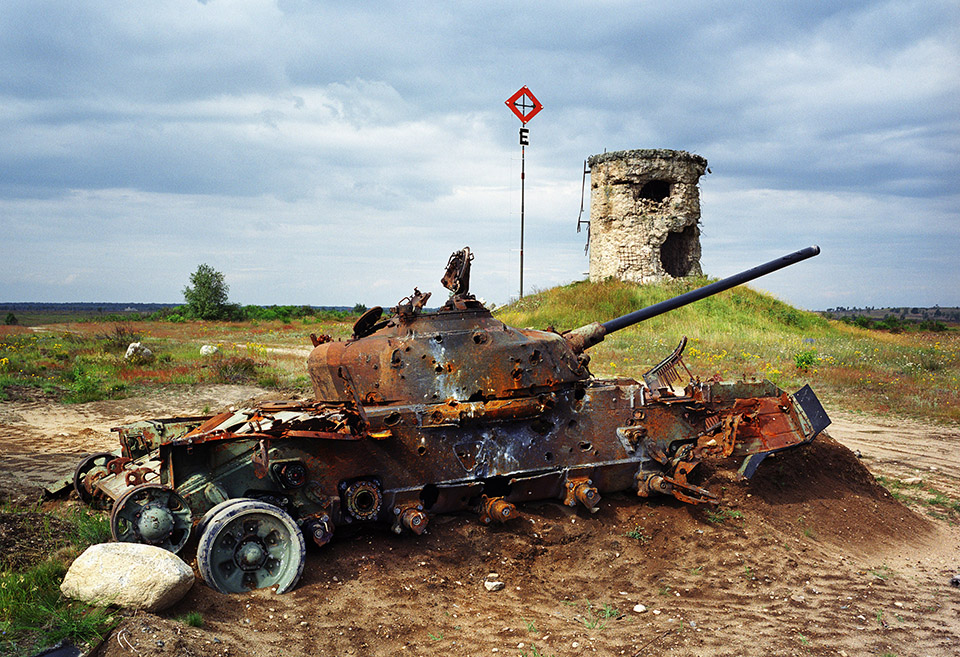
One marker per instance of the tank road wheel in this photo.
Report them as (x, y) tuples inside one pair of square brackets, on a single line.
[(251, 545), (83, 483), (208, 516), (151, 514)]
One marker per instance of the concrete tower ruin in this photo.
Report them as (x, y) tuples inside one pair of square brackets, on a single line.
[(645, 214)]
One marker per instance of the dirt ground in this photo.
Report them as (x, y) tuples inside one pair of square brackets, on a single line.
[(811, 557)]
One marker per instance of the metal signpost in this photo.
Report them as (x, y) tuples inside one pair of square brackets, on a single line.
[(525, 106)]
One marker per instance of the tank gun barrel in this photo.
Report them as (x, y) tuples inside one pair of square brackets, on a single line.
[(589, 335)]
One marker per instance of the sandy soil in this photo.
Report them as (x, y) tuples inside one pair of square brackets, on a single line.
[(812, 558)]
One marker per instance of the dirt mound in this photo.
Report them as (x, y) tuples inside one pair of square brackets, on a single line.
[(827, 490)]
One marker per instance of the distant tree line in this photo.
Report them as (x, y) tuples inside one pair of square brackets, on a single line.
[(913, 314), (890, 322), (207, 298)]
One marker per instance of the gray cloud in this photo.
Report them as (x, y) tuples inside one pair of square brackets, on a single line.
[(326, 153)]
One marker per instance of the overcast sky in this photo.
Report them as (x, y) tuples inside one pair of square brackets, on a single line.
[(338, 152)]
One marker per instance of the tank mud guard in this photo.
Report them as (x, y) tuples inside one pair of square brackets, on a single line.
[(817, 417)]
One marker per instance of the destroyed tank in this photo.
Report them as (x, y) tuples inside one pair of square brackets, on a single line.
[(421, 413)]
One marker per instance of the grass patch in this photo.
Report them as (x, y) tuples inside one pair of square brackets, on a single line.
[(882, 573), (637, 533), (534, 652), (193, 619), (79, 363), (936, 503), (722, 515), (596, 617), (37, 548)]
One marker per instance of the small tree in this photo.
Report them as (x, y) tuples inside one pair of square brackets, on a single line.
[(207, 299), (11, 320)]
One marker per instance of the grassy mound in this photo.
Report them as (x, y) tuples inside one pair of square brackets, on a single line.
[(742, 333)]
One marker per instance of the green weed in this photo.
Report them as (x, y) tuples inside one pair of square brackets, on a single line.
[(193, 619), (719, 517), (535, 652), (805, 360), (637, 533), (883, 572), (595, 618)]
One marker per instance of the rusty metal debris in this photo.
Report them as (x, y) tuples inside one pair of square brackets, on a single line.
[(431, 412)]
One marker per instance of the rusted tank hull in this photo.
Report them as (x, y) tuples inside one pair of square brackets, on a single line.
[(446, 457)]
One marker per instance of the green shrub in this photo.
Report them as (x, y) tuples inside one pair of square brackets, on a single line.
[(805, 360), (234, 369)]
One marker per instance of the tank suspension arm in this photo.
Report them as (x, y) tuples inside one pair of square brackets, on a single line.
[(589, 335)]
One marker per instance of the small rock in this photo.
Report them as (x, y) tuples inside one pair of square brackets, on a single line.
[(493, 576), (955, 580), (656, 612), (797, 598), (138, 354), (898, 604), (912, 481), (493, 585), (575, 644), (639, 608)]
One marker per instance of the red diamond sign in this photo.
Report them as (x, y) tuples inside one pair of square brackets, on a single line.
[(524, 104)]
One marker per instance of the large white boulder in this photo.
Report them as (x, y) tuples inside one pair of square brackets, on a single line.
[(138, 354), (128, 575), (208, 350)]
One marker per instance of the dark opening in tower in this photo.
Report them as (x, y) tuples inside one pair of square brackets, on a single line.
[(655, 190), (677, 252)]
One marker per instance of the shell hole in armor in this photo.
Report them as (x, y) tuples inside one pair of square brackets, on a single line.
[(393, 419), (429, 495), (497, 487), (541, 426)]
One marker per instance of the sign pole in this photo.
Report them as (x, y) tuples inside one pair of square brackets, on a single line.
[(523, 180), (525, 106)]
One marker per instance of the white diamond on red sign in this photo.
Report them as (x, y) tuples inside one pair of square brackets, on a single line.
[(524, 104)]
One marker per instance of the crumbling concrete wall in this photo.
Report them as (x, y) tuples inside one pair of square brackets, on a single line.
[(644, 215)]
